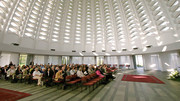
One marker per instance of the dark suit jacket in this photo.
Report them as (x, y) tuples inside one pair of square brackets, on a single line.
[(50, 76)]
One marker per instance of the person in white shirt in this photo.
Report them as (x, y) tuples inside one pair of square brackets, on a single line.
[(72, 71), (80, 73), (37, 75), (11, 72)]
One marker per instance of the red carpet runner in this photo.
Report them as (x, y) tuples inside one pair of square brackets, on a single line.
[(10, 95), (141, 78)]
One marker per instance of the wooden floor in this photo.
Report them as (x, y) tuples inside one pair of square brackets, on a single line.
[(116, 90)]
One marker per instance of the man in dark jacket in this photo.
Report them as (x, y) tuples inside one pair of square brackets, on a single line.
[(48, 76)]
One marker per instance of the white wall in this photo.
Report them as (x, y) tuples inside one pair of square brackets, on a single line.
[(152, 62), (77, 60), (112, 60), (126, 60), (5, 58), (53, 60), (163, 61), (39, 59), (89, 60), (14, 58)]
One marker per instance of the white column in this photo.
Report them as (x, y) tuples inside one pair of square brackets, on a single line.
[(46, 59), (147, 61), (165, 61), (60, 60), (131, 62)]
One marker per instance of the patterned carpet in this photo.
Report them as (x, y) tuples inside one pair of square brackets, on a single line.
[(10, 95), (141, 78)]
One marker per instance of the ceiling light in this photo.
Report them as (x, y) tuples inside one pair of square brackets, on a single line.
[(175, 35), (119, 51), (55, 36), (160, 43), (77, 42), (164, 49), (144, 49), (144, 42), (167, 64), (66, 41), (142, 38), (66, 38), (55, 40), (42, 37), (158, 38), (107, 54), (132, 42), (28, 34), (81, 54), (95, 54)]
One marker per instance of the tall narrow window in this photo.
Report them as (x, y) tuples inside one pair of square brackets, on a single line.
[(22, 59), (139, 61)]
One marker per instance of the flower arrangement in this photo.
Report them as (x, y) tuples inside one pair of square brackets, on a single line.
[(174, 75)]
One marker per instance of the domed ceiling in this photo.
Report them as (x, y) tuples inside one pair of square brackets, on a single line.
[(89, 25)]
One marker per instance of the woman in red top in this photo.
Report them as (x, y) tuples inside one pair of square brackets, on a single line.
[(98, 72)]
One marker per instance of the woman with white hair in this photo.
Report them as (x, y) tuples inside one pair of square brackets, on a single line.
[(37, 75), (80, 73)]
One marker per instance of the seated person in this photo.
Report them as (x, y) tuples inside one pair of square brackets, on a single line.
[(11, 72), (80, 73), (32, 69), (19, 73), (98, 72), (56, 69), (0, 71), (85, 72), (37, 75), (72, 71), (108, 72), (68, 71), (90, 70), (59, 76), (25, 72)]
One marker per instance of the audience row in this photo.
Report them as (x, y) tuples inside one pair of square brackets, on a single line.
[(46, 74)]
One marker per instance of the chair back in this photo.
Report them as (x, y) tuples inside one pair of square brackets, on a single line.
[(84, 79)]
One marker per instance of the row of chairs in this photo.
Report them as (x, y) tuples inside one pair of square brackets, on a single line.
[(113, 69), (91, 80), (88, 81)]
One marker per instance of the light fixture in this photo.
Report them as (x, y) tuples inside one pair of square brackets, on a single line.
[(158, 38), (95, 54), (119, 51), (164, 49), (81, 54), (144, 49), (167, 64), (144, 42), (160, 43), (175, 35), (107, 54)]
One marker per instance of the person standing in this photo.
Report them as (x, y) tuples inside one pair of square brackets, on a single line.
[(48, 76), (31, 63), (64, 76)]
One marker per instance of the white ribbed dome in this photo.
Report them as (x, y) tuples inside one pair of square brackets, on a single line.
[(89, 25)]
